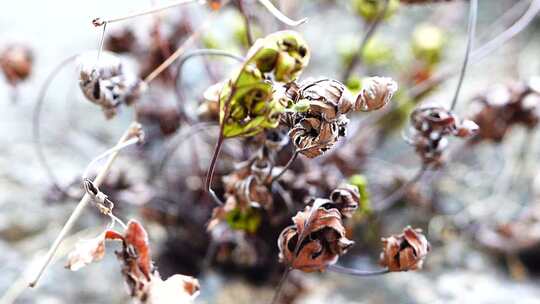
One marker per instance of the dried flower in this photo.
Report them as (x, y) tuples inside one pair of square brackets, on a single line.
[(316, 130), (86, 252), (405, 251), (16, 63), (105, 83), (322, 239), (346, 199), (431, 126), (504, 106)]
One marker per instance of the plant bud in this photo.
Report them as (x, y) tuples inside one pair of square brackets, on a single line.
[(376, 93), (405, 251), (428, 43), (16, 63), (371, 9)]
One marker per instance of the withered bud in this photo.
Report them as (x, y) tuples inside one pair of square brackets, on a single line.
[(437, 122), (321, 234), (16, 63), (105, 83), (405, 251), (313, 137), (376, 93), (346, 199)]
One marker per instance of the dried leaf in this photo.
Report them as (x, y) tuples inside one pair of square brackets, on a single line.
[(86, 252)]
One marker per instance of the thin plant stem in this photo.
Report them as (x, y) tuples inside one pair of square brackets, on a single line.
[(36, 122), (280, 285), (77, 212), (249, 34), (197, 53), (471, 32), (388, 201), (211, 169), (114, 149), (357, 272), (357, 58), (279, 15), (289, 163), (481, 52), (101, 41), (165, 64), (103, 22)]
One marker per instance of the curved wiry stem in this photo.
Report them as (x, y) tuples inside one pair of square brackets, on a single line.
[(480, 52), (197, 53), (473, 16), (397, 194), (36, 122), (357, 272), (114, 149), (103, 22), (279, 15), (357, 58)]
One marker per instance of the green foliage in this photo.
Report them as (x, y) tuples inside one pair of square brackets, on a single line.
[(428, 42), (360, 181), (370, 9), (247, 220)]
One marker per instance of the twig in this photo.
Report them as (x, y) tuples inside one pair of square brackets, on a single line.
[(249, 34), (80, 208), (473, 16), (114, 149), (36, 122), (279, 15), (165, 64), (101, 22), (289, 163), (357, 272), (357, 58)]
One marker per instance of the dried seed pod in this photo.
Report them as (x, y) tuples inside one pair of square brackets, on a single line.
[(346, 199), (284, 53), (105, 83), (504, 106), (431, 126), (323, 242), (376, 93), (313, 137), (405, 251), (16, 63)]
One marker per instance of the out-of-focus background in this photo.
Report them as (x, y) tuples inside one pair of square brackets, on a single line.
[(464, 208)]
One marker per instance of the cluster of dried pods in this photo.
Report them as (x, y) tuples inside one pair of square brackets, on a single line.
[(264, 97)]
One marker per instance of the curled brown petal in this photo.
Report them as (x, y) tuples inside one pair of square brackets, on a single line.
[(405, 251)]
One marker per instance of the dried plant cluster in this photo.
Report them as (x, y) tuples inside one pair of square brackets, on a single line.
[(281, 149)]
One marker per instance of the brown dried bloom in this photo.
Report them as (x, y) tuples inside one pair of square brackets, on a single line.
[(105, 83), (346, 199), (317, 129), (431, 126), (405, 251), (16, 63), (504, 106), (322, 236)]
